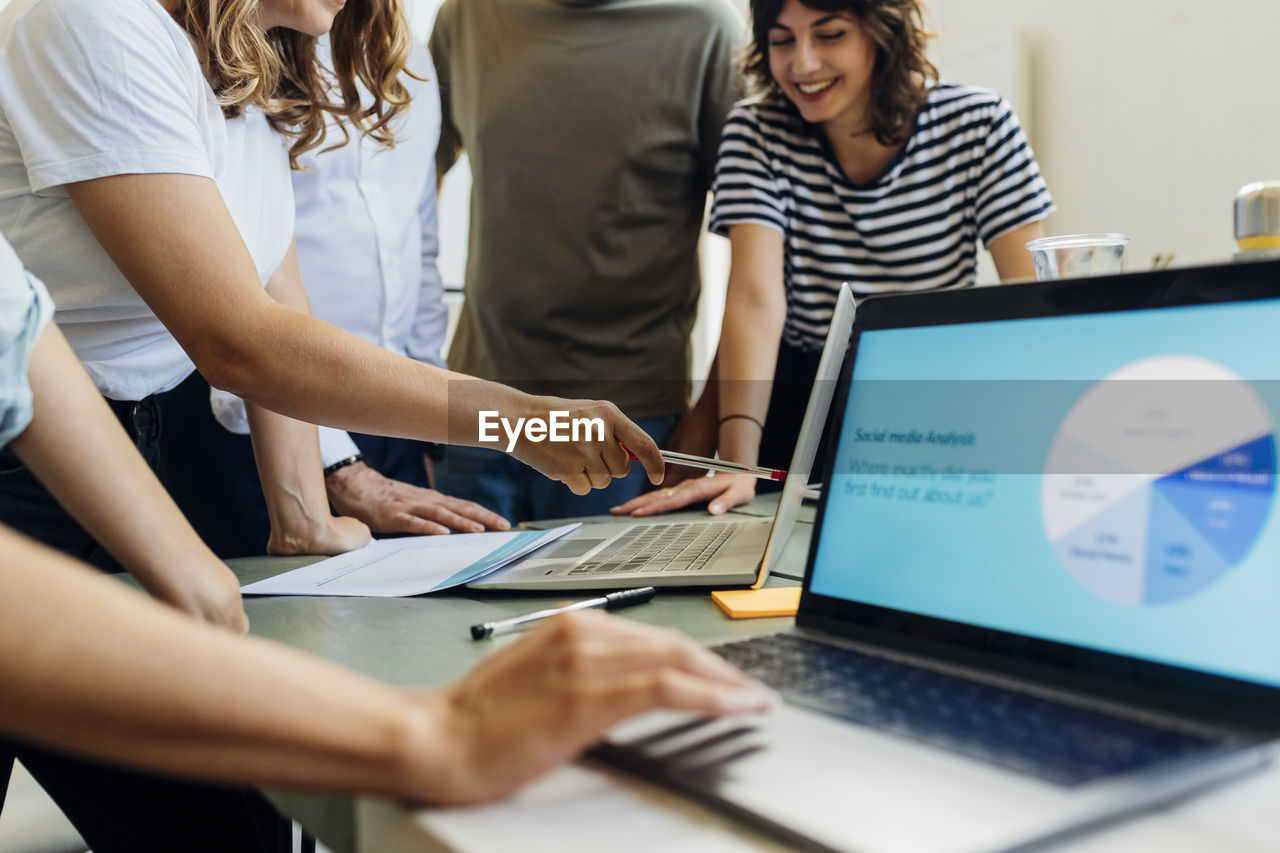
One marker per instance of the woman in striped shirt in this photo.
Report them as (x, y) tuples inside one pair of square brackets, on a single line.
[(849, 163)]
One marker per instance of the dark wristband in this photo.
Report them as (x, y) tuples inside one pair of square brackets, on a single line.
[(755, 421), (343, 463)]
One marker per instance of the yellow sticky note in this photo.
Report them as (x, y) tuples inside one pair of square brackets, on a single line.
[(751, 603)]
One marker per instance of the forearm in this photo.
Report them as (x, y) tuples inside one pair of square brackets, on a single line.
[(751, 332), (353, 385), (1010, 255), (755, 309), (350, 383), (287, 453), (76, 448), (203, 286), (127, 681), (286, 444)]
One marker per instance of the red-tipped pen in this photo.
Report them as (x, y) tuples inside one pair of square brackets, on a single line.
[(717, 465)]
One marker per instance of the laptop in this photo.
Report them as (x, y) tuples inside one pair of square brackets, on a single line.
[(1042, 588), (737, 551)]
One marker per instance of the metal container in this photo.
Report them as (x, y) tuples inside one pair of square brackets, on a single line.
[(1074, 255), (1258, 218)]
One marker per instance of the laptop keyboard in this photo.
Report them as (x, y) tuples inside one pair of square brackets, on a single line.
[(676, 547), (1052, 740)]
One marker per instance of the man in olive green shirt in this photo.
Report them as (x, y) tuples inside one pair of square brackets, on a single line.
[(592, 128)]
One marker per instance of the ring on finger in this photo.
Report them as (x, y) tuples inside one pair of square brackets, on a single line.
[(668, 492)]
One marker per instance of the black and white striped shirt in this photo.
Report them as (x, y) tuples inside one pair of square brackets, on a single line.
[(966, 173)]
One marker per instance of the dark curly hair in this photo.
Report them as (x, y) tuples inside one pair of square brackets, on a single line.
[(901, 78)]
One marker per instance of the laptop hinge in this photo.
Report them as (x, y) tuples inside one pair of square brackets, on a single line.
[(1065, 684)]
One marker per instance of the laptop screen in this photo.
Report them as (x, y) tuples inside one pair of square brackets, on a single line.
[(1102, 480)]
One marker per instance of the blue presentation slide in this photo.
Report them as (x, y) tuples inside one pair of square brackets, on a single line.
[(1102, 480)]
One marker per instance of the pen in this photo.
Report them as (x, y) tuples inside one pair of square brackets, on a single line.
[(717, 465), (612, 601)]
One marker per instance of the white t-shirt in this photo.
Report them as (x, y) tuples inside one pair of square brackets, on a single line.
[(966, 174), (367, 239), (24, 311), (93, 88)]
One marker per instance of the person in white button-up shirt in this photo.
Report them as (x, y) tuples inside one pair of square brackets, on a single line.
[(366, 219), (367, 237), (366, 232)]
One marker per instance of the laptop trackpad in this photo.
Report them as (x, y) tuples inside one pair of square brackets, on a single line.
[(568, 549)]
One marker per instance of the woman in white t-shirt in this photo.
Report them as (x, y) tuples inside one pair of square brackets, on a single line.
[(144, 178), (850, 163)]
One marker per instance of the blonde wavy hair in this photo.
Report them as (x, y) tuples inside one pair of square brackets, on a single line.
[(277, 70)]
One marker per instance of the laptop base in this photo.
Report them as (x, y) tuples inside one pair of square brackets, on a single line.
[(821, 783), (736, 562)]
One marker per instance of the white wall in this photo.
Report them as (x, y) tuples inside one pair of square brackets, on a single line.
[(1148, 114)]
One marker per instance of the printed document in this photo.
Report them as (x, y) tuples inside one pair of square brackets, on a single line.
[(410, 565)]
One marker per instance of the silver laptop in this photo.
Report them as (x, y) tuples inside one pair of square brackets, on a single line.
[(723, 552), (1042, 588)]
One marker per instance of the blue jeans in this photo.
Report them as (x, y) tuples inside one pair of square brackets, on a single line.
[(518, 493)]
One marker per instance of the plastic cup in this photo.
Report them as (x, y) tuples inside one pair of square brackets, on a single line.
[(1073, 255)]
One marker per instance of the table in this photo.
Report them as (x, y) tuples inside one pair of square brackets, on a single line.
[(424, 641)]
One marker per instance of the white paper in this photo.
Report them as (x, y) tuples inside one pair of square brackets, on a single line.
[(411, 565)]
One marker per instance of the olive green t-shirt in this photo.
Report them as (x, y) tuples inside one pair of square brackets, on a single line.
[(592, 129)]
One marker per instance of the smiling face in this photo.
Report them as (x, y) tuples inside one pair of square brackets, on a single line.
[(823, 62), (312, 17)]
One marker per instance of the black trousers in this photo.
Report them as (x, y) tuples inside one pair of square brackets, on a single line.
[(27, 506), (209, 472), (154, 424), (213, 478), (123, 811), (113, 808)]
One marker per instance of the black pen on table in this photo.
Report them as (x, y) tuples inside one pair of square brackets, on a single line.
[(612, 601)]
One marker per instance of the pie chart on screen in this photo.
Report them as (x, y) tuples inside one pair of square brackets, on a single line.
[(1159, 480)]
